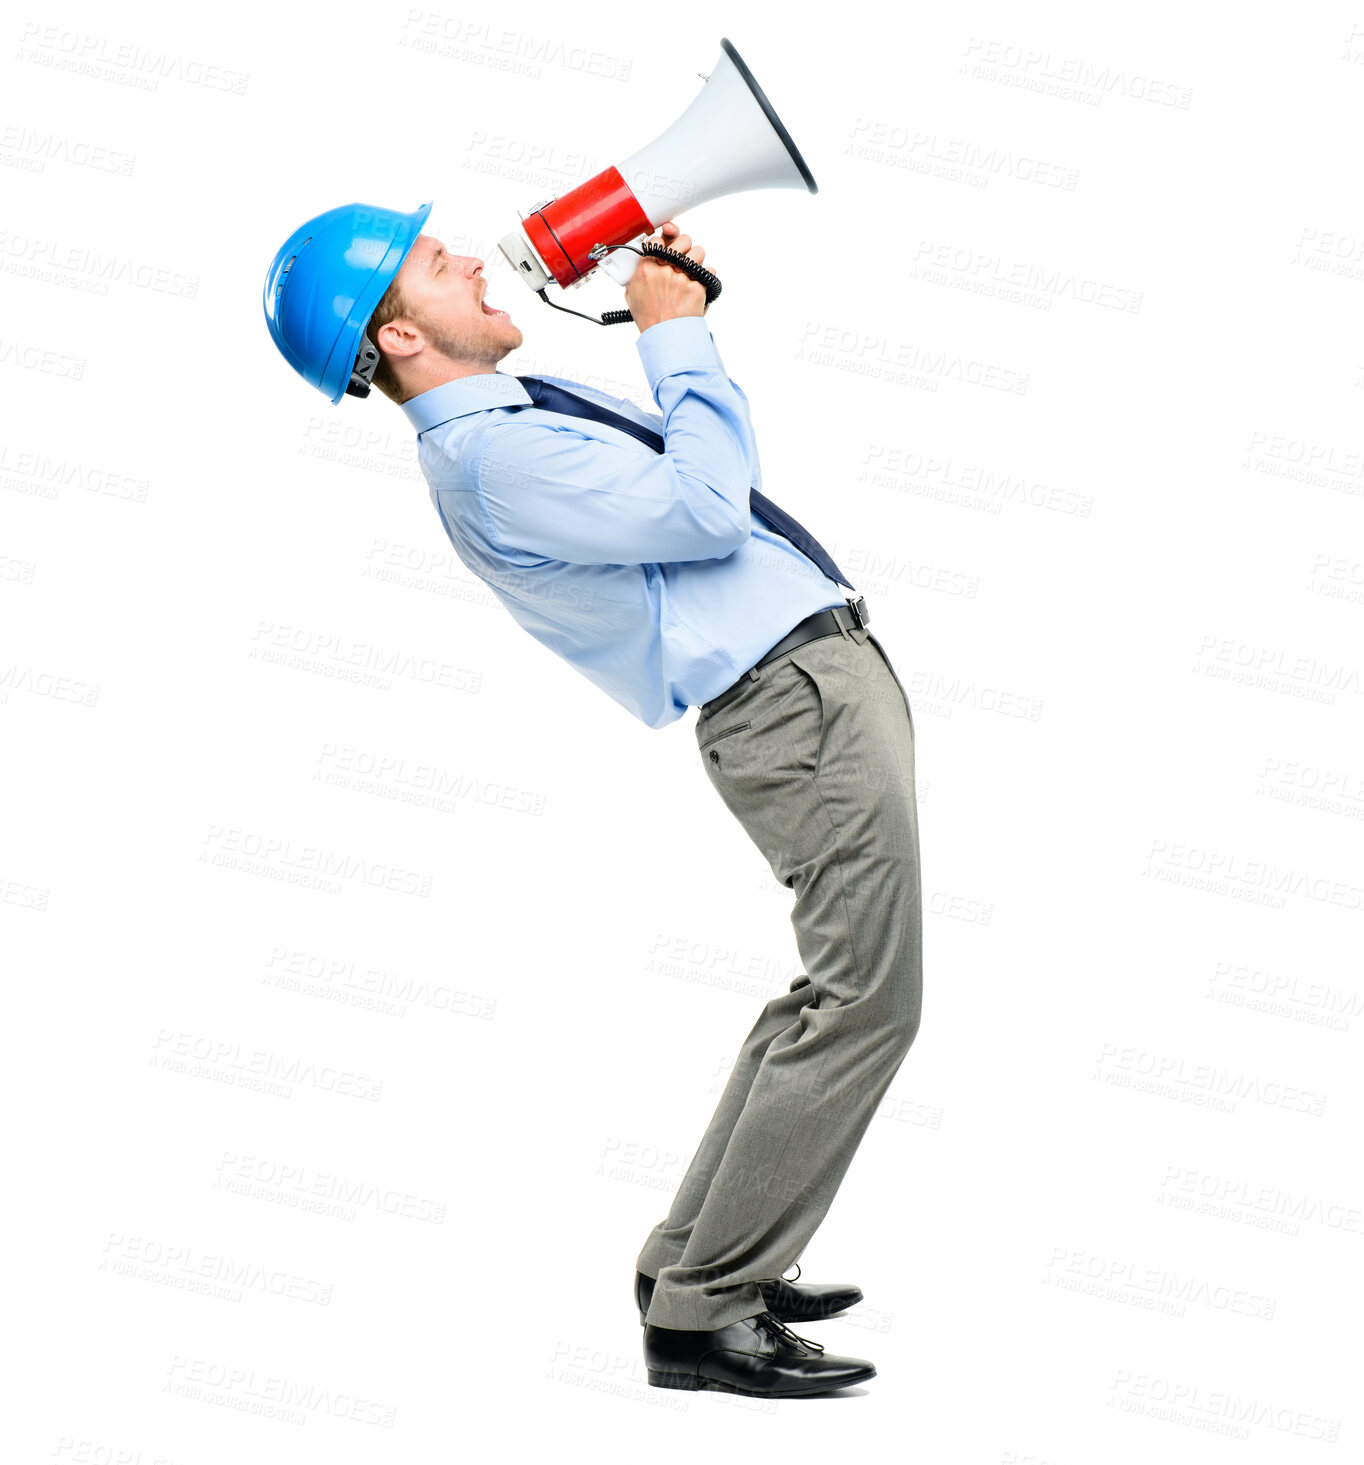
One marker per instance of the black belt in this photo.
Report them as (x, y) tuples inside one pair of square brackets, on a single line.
[(822, 623)]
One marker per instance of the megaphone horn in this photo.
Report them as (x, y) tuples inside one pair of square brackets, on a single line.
[(730, 140)]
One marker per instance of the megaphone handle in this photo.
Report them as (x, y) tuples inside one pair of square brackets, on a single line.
[(620, 264), (683, 262)]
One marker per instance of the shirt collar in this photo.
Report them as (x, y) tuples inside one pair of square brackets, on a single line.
[(463, 395)]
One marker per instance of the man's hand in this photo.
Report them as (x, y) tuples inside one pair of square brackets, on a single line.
[(660, 291)]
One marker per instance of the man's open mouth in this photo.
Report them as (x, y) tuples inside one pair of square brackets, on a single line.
[(488, 310)]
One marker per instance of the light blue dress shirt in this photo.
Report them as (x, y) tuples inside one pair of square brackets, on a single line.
[(646, 571)]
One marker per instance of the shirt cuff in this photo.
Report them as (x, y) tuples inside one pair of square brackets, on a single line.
[(683, 343)]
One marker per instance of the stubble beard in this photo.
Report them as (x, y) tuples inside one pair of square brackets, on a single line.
[(481, 347)]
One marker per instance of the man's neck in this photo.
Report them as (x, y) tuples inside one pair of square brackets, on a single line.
[(446, 371)]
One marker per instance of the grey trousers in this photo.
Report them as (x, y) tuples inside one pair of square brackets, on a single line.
[(815, 758)]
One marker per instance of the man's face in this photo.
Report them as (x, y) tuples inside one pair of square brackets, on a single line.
[(445, 292)]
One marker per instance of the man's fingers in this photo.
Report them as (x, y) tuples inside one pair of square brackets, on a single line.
[(683, 245), (670, 233)]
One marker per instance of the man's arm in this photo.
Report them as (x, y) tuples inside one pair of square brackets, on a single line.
[(555, 490)]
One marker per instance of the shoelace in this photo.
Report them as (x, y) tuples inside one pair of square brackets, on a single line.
[(796, 1278), (779, 1330)]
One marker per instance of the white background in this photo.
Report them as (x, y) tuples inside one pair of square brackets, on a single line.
[(1063, 365)]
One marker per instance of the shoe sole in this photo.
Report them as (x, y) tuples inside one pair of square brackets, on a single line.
[(784, 1317), (693, 1381)]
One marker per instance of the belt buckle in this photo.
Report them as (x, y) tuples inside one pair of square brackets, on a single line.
[(855, 610)]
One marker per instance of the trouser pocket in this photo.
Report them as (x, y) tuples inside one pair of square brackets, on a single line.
[(891, 669), (726, 732)]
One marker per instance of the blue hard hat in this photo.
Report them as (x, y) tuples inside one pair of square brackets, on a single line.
[(322, 287)]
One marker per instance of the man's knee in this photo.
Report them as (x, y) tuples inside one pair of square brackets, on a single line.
[(898, 1011), (907, 1026)]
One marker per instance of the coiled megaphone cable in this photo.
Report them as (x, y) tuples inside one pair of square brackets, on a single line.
[(653, 250)]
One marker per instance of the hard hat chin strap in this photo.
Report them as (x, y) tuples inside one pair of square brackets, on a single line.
[(362, 373)]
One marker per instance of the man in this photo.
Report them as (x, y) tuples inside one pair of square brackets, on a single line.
[(640, 549)]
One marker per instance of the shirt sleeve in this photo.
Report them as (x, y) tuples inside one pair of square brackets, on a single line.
[(554, 488)]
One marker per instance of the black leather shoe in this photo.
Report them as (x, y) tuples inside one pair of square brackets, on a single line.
[(757, 1356), (788, 1303)]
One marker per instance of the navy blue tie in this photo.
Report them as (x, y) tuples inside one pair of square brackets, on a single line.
[(554, 399)]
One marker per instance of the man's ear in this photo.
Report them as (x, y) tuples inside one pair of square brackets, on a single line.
[(399, 338)]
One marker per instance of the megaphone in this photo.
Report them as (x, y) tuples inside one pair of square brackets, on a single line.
[(730, 140)]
